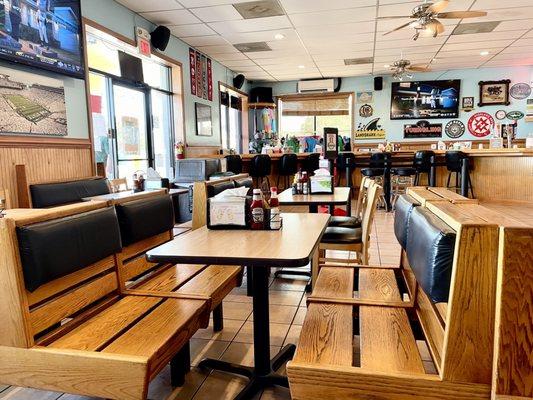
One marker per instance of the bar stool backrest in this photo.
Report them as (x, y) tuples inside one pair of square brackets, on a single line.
[(312, 162), (345, 160), (234, 163), (379, 160), (260, 166), (288, 164), (422, 160), (454, 160)]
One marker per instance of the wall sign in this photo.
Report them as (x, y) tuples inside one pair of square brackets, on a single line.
[(366, 111), (372, 130), (455, 129), (192, 68), (468, 104), (365, 97), (331, 139), (500, 114), (422, 129), (201, 69), (520, 91), (493, 93), (480, 124), (515, 115)]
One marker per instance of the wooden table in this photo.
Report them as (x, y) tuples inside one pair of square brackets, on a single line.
[(292, 246), (341, 196), (125, 195)]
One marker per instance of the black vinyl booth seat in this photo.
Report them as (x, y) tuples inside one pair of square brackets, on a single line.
[(402, 215), (244, 182), (234, 163), (53, 249), (340, 235), (145, 218), (56, 194), (219, 188), (430, 248), (344, 222)]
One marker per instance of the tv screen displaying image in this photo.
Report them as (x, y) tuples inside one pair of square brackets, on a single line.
[(425, 99), (42, 33)]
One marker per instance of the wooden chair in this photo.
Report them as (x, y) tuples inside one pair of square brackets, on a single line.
[(118, 185), (390, 317), (4, 197)]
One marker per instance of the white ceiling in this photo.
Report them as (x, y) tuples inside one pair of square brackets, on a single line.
[(320, 34)]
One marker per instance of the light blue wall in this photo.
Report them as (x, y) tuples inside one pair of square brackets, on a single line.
[(469, 87), (122, 20)]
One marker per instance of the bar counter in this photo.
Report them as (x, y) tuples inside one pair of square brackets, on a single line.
[(497, 174)]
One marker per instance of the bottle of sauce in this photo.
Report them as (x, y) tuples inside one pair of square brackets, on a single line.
[(305, 183), (275, 216), (257, 211), (135, 183), (299, 186)]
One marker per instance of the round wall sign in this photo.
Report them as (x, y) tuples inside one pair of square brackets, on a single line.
[(366, 111), (501, 114), (515, 115), (520, 91), (455, 129), (480, 124)]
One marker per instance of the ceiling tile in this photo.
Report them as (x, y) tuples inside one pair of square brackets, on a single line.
[(475, 45), (149, 5), (505, 14), (191, 30), (518, 50), (299, 6), (251, 25), (262, 36), (207, 3), (240, 63), (284, 60), (485, 37), (492, 4), (402, 44), (211, 40), (217, 13), (230, 57), (334, 17), (513, 25), (524, 42), (171, 17), (219, 49)]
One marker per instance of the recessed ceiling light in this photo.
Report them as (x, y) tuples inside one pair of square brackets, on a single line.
[(301, 66), (484, 53), (279, 36)]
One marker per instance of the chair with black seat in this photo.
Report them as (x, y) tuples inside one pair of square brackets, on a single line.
[(346, 166), (454, 164), (355, 220), (287, 167), (260, 169), (234, 163), (422, 163), (312, 163)]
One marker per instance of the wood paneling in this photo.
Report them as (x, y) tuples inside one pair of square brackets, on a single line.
[(61, 161)]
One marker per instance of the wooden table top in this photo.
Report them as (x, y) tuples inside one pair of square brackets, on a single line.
[(292, 246), (340, 196), (125, 195)]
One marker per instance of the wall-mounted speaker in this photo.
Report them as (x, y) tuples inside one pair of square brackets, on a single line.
[(238, 81), (160, 37), (378, 83)]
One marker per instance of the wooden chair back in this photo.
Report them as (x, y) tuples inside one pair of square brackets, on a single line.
[(200, 196), (373, 194), (36, 317), (4, 199), (118, 185), (361, 197)]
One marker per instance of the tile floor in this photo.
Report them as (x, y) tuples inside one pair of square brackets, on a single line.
[(234, 343)]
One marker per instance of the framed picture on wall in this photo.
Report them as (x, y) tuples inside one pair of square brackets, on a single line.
[(494, 93), (204, 124)]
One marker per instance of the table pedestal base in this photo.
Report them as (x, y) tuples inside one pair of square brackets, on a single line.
[(258, 381)]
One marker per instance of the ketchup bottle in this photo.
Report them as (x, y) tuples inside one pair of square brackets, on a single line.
[(257, 211)]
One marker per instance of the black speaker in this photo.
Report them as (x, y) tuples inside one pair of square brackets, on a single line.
[(160, 37), (238, 81), (378, 83), (261, 95)]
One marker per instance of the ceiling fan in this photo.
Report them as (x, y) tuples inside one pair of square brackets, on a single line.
[(402, 69), (424, 18)]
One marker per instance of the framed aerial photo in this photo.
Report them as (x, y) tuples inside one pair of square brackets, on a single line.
[(204, 124), (494, 93)]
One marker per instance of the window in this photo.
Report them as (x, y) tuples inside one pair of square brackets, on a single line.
[(306, 115)]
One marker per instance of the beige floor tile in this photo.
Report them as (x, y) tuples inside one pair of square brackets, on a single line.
[(231, 327), (237, 310), (277, 333), (243, 353), (201, 348), (220, 386), (276, 393), (239, 295), (280, 314), (300, 316), (285, 298), (15, 393), (161, 389), (289, 282)]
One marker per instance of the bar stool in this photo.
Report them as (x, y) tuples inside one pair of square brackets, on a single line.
[(260, 168), (401, 179), (346, 164), (422, 163), (288, 166), (454, 165), (376, 172), (234, 163), (311, 163)]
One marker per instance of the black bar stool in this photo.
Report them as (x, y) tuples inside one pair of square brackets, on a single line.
[(376, 171), (455, 161), (311, 163), (422, 163), (346, 164), (287, 167), (260, 168), (234, 163)]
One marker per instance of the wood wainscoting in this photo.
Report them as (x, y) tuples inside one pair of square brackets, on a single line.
[(46, 159), (201, 151)]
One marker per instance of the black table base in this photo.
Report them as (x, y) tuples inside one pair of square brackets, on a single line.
[(262, 375)]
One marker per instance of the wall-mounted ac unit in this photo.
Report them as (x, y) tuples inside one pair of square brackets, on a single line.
[(316, 85)]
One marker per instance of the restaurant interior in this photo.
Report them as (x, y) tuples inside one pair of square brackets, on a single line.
[(267, 200)]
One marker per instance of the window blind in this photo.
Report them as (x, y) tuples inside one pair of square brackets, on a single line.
[(310, 106)]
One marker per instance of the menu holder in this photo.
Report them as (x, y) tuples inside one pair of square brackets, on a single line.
[(321, 185), (232, 213)]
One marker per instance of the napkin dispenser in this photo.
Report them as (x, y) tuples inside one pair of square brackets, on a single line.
[(321, 182), (228, 210)]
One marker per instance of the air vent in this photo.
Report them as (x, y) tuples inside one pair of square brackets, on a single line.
[(475, 27), (359, 61), (259, 9), (253, 46)]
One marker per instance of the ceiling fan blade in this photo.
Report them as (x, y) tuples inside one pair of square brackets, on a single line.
[(438, 6), (396, 17), (435, 27), (397, 29), (462, 14), (418, 68)]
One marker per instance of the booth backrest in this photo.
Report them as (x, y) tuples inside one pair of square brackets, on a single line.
[(56, 194), (145, 218), (403, 208), (430, 248), (213, 190)]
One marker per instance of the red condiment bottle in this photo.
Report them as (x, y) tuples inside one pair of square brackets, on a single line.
[(257, 211)]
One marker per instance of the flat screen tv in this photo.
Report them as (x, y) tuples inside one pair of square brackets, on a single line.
[(42, 33), (425, 99)]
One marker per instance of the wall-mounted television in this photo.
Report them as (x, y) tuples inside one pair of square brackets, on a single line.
[(425, 99), (42, 33)]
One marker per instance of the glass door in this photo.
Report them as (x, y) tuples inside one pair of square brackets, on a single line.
[(131, 131)]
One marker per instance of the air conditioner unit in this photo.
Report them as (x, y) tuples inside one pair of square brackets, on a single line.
[(317, 85)]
